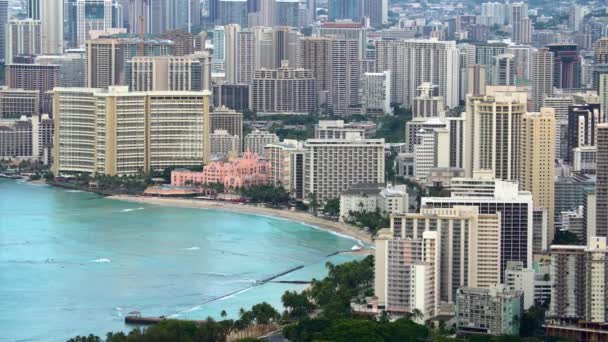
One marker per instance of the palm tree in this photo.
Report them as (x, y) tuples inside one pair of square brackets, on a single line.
[(417, 314), (223, 314), (314, 203)]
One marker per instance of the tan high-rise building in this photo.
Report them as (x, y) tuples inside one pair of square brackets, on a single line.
[(239, 54), (476, 79), (283, 91), (106, 58), (537, 165), (229, 120), (230, 51), (274, 45), (336, 67), (493, 131), (602, 181), (542, 77), (118, 132), (480, 249), (465, 252), (316, 52), (161, 73), (39, 77)]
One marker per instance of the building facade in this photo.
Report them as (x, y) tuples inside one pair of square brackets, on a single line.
[(117, 132)]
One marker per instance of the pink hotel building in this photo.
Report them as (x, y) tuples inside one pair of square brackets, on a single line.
[(235, 173)]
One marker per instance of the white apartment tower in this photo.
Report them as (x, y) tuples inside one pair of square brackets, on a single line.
[(414, 62), (92, 15), (51, 18), (377, 92), (23, 37)]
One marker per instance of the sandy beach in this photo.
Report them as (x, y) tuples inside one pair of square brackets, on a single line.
[(302, 217)]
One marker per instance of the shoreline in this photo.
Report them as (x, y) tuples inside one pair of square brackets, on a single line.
[(300, 217)]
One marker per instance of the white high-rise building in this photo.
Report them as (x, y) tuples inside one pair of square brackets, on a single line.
[(332, 166), (92, 15), (219, 46), (23, 37), (377, 92), (414, 62), (51, 18), (222, 144), (503, 70), (493, 13), (428, 103), (256, 140)]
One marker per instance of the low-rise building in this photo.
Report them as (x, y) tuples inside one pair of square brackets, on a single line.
[(493, 311), (27, 138), (518, 278), (359, 198), (235, 173)]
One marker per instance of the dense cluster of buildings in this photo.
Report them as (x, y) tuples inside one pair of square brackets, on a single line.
[(506, 147)]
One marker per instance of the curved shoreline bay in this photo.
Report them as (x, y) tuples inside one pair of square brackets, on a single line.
[(75, 263)]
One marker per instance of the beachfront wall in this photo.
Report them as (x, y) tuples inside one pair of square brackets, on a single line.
[(236, 173)]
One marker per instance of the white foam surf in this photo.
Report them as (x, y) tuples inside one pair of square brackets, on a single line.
[(131, 209), (101, 260)]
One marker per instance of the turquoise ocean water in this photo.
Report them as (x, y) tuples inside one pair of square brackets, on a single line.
[(75, 263)]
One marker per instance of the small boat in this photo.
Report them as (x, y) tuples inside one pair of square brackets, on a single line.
[(356, 248)]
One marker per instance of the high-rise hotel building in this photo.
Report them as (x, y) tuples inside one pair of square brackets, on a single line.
[(283, 91), (494, 129), (537, 165), (333, 166), (117, 132)]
